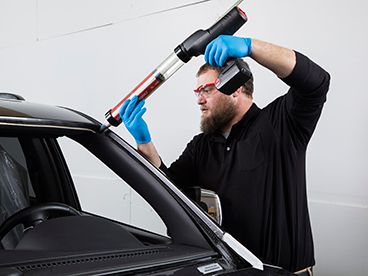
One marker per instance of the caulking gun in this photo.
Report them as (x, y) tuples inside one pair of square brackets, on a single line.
[(194, 45)]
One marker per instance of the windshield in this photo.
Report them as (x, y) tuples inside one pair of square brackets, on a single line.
[(108, 211)]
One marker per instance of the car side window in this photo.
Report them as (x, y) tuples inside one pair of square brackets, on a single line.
[(102, 192), (14, 170), (15, 185)]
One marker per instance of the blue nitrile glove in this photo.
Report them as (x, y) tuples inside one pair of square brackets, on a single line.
[(131, 113), (226, 46)]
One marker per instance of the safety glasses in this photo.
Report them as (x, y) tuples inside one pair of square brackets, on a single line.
[(205, 89)]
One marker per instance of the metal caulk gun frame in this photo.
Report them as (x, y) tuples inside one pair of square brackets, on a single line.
[(194, 45)]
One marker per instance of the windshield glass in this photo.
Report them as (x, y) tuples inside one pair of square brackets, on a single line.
[(102, 192)]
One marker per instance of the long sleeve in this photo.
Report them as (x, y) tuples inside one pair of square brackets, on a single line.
[(303, 103)]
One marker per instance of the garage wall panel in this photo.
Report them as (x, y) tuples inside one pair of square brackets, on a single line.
[(62, 17), (18, 22), (340, 238)]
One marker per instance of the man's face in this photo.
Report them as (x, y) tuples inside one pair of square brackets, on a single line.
[(218, 110)]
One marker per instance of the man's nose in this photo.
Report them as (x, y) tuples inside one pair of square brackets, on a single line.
[(201, 99)]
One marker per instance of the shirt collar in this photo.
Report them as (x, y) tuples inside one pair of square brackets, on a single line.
[(247, 117)]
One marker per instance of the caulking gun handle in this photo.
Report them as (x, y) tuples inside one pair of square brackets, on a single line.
[(228, 24), (196, 43)]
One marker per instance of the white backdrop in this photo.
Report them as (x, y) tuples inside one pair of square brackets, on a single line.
[(87, 54)]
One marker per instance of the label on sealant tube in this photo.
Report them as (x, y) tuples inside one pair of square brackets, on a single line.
[(151, 87), (159, 79)]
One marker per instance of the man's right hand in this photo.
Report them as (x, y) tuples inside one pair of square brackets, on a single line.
[(219, 50), (131, 114)]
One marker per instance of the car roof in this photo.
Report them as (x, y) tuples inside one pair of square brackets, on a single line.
[(16, 113)]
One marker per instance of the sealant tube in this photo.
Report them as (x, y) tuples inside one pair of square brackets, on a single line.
[(147, 86), (194, 45)]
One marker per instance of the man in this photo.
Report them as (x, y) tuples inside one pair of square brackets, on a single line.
[(253, 158)]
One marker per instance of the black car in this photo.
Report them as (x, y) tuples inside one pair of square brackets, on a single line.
[(51, 222)]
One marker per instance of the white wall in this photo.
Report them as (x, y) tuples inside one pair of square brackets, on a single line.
[(88, 54)]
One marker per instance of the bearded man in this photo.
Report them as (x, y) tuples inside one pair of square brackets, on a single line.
[(253, 158)]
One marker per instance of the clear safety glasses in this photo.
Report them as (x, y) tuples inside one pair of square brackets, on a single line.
[(205, 89)]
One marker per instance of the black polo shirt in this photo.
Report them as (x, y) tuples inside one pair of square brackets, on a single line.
[(259, 170)]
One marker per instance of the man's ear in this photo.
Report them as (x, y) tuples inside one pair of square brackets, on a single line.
[(238, 92)]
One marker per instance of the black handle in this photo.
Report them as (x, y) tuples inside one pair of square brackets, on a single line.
[(196, 43)]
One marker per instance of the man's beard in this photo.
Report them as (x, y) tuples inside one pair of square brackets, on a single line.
[(219, 119)]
